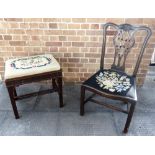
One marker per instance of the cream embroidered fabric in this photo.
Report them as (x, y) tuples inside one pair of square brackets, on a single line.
[(30, 65)]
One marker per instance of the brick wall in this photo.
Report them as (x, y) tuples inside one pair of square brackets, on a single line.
[(74, 42)]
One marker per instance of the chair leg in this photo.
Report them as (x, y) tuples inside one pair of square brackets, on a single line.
[(60, 91), (11, 91), (82, 101), (132, 107)]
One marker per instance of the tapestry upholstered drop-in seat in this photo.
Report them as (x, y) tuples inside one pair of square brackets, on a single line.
[(26, 66), (30, 69), (113, 82)]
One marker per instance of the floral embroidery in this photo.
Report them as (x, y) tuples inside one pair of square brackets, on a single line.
[(113, 81), (31, 62)]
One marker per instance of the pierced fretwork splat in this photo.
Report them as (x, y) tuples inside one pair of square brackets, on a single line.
[(123, 42)]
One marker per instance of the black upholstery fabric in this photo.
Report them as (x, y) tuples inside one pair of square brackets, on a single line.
[(130, 92)]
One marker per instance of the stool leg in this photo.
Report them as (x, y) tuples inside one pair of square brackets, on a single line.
[(15, 93), (13, 103), (60, 91), (54, 84)]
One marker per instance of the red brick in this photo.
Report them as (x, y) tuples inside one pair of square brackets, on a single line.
[(67, 44), (94, 32), (2, 31), (93, 44), (94, 26), (79, 20), (54, 49), (14, 19), (78, 54), (63, 60), (53, 25), (62, 26), (35, 37), (19, 54), (1, 38), (69, 32), (78, 44), (7, 37), (62, 49), (94, 38), (80, 32), (43, 25), (134, 20), (32, 19), (74, 26), (51, 19), (35, 43), (62, 38), (67, 55), (73, 60), (19, 48), (84, 38), (17, 43), (84, 60), (84, 26), (73, 69), (83, 70), (34, 25), (16, 31), (96, 20), (53, 32), (14, 25), (73, 38), (92, 60), (54, 38), (115, 20), (68, 20), (53, 43), (92, 55)]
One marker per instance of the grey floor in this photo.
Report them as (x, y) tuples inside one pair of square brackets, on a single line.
[(41, 116)]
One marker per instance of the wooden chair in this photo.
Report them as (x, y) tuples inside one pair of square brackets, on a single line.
[(32, 69), (115, 83)]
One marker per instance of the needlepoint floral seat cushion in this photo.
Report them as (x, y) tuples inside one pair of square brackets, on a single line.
[(26, 66), (113, 82)]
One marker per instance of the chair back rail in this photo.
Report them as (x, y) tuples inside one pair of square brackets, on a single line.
[(123, 41)]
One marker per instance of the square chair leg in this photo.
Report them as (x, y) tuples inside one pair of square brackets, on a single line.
[(128, 121), (60, 91), (82, 101)]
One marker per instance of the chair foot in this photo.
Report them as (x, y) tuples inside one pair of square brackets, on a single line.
[(82, 111), (125, 131), (61, 106), (17, 117)]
